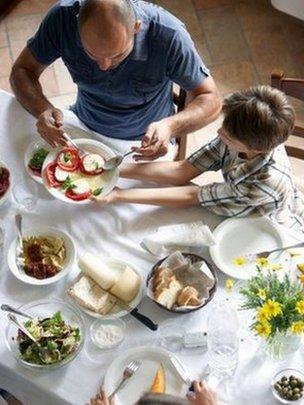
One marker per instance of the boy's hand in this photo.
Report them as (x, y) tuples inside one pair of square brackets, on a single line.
[(155, 142), (108, 199), (102, 399), (202, 395)]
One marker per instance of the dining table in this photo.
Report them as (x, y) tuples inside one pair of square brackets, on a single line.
[(109, 231)]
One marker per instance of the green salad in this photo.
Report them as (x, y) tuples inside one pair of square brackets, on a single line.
[(56, 340)]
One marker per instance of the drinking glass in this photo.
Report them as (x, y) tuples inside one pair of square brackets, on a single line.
[(25, 195), (223, 340)]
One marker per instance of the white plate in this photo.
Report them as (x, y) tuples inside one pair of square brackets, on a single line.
[(238, 236), (42, 231), (118, 266), (141, 382), (89, 145), (30, 150), (5, 197)]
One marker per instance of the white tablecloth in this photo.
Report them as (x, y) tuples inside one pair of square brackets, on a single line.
[(114, 231)]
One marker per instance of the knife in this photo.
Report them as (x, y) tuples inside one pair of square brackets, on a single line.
[(180, 371), (135, 313)]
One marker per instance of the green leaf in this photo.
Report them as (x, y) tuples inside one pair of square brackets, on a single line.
[(97, 191), (68, 184), (38, 158)]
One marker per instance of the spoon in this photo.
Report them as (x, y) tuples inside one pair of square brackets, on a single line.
[(16, 311), (18, 220)]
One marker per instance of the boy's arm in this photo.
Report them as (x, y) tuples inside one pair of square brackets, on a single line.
[(173, 197), (176, 173)]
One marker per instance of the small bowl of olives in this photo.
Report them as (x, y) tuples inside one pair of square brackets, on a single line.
[(288, 386)]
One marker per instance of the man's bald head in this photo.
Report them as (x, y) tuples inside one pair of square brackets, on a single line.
[(106, 12)]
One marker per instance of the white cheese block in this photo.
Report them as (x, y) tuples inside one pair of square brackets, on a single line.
[(97, 270), (61, 175), (127, 286), (81, 186), (92, 162)]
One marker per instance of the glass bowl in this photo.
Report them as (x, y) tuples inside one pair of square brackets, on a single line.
[(44, 309), (5, 197), (111, 321), (287, 372)]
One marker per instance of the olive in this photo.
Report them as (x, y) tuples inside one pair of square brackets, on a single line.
[(277, 386), (293, 383), (285, 383), (296, 396), (296, 390), (285, 390), (292, 377), (284, 378)]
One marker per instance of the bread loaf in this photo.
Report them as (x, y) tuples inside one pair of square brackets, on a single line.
[(97, 270), (127, 286)]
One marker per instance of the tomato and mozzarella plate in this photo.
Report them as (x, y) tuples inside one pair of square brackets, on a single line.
[(73, 174)]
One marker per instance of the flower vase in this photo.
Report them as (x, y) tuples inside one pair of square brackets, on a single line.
[(282, 345)]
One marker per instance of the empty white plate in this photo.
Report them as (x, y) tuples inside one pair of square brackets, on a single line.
[(236, 237)]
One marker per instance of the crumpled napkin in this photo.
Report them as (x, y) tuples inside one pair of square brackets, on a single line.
[(169, 238)]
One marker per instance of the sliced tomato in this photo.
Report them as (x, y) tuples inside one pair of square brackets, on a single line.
[(68, 160), (77, 197), (50, 174)]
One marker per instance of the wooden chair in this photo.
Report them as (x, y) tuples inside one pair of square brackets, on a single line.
[(294, 88), (179, 99)]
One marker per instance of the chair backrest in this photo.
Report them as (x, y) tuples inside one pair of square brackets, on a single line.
[(295, 88), (179, 98)]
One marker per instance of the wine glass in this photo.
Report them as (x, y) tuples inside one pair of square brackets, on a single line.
[(25, 194)]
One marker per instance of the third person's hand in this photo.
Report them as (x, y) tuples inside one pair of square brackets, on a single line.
[(50, 126)]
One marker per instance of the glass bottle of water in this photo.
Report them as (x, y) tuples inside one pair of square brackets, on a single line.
[(222, 340)]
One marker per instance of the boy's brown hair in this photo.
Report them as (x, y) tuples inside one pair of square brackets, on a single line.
[(260, 117)]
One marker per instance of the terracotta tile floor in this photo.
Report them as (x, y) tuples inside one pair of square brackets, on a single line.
[(241, 41)]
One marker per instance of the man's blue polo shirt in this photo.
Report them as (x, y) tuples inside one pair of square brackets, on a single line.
[(122, 102)]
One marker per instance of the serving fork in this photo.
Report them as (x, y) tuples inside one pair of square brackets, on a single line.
[(266, 253), (129, 371)]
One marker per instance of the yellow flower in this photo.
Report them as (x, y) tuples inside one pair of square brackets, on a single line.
[(229, 284), (293, 253), (262, 315), (261, 294), (272, 308), (262, 262), (239, 261), (300, 267), (263, 329), (297, 327), (275, 266), (300, 307), (301, 278)]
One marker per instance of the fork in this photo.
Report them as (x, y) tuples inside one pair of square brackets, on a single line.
[(266, 253), (81, 152), (129, 371)]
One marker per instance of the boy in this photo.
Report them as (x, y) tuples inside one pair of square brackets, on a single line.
[(248, 149)]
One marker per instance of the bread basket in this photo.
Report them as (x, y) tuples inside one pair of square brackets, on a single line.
[(193, 259)]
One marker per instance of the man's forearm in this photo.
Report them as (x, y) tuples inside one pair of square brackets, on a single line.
[(28, 91), (174, 197), (202, 110), (176, 173)]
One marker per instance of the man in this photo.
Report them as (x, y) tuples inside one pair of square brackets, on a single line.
[(124, 56)]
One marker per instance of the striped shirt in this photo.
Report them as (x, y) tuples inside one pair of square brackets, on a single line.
[(259, 186)]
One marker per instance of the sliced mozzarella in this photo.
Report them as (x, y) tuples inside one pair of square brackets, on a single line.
[(61, 175), (81, 186), (92, 162)]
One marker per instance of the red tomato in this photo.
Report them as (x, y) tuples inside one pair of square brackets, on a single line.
[(4, 180), (77, 197), (71, 157), (50, 175)]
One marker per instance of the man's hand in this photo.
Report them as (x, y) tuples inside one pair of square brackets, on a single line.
[(101, 399), (155, 142), (202, 395), (50, 126)]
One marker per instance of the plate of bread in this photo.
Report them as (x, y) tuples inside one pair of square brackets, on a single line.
[(155, 375), (106, 287), (182, 282)]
